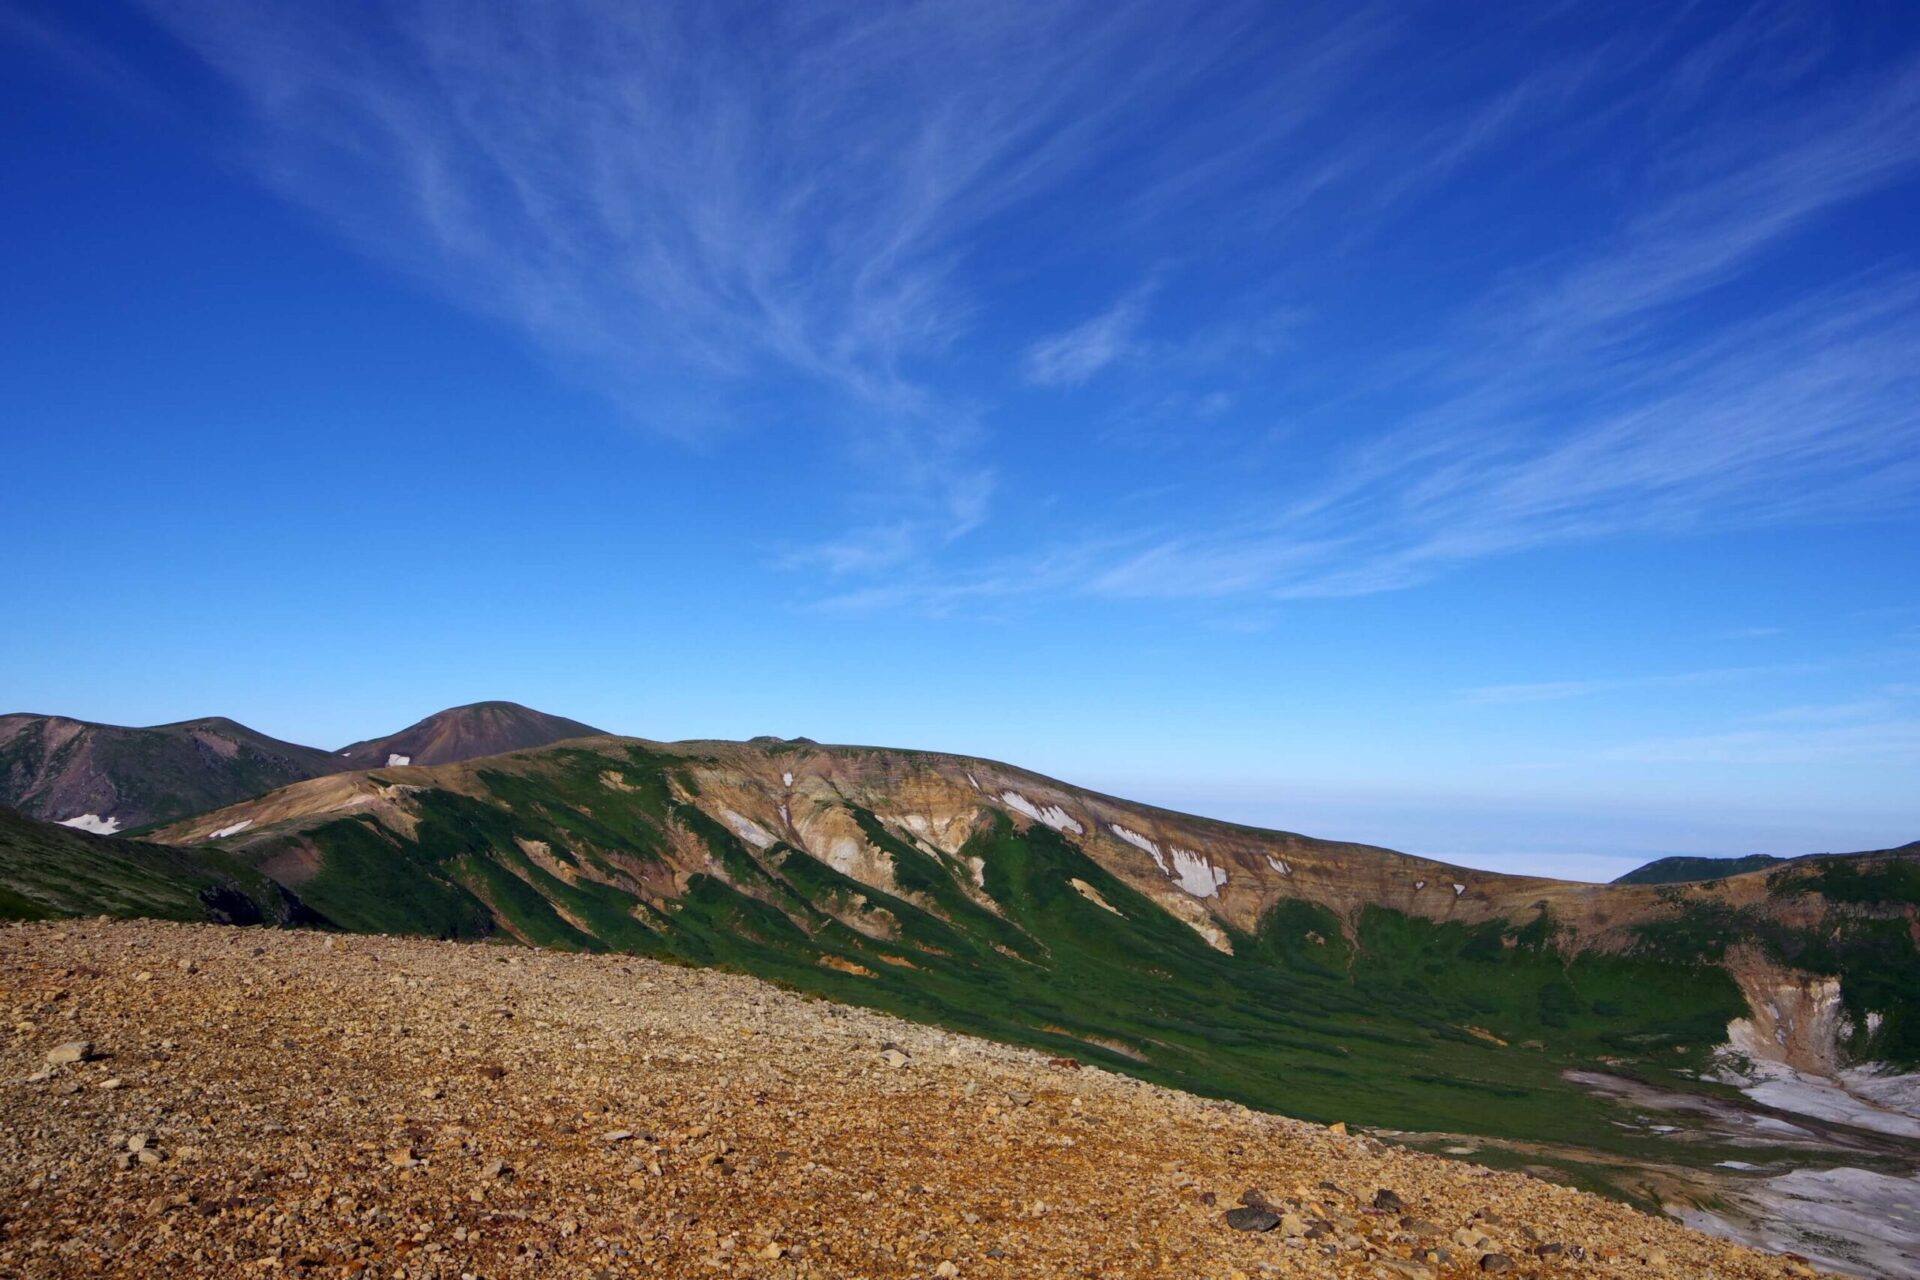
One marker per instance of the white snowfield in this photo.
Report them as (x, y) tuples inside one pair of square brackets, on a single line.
[(233, 830), (749, 830), (787, 778), (1192, 872), (1053, 815), (1143, 844), (1280, 864), (1866, 1097), (93, 822), (396, 762)]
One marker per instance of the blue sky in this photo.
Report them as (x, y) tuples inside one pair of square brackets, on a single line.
[(1489, 431)]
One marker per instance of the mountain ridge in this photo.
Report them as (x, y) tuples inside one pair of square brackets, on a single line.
[(112, 779)]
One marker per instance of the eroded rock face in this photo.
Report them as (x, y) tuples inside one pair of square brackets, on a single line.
[(1795, 1018)]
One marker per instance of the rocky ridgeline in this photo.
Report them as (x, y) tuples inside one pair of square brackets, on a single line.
[(181, 1100)]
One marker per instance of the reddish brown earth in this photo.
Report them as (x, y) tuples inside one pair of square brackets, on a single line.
[(259, 1102), (467, 733)]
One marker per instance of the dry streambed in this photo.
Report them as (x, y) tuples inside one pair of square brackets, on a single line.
[(182, 1100)]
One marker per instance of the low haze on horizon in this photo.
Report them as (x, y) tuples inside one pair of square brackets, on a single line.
[(1493, 437)]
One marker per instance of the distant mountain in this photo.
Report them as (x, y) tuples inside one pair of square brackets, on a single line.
[(47, 871), (465, 733), (109, 778), (1685, 870)]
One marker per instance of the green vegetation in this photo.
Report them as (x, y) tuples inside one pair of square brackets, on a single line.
[(1384, 1018), (1682, 870), (1881, 882), (49, 871)]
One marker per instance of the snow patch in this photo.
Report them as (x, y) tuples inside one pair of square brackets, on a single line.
[(233, 830), (1279, 864), (1459, 889), (787, 778), (93, 822), (747, 829), (1140, 842), (785, 820), (973, 782), (1418, 885), (1854, 1221), (1192, 872), (1053, 815), (396, 762), (1867, 1097)]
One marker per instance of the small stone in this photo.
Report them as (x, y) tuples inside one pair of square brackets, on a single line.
[(617, 1135), (402, 1158), (1339, 1127), (113, 1083), (72, 1051), (946, 1271), (1496, 1262), (497, 1170), (1251, 1219), (1385, 1199), (772, 1253), (147, 1155), (894, 1058), (1657, 1258), (138, 1142)]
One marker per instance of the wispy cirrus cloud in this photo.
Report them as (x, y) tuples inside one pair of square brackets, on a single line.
[(694, 207), (1567, 405), (712, 211), (1561, 690), (1072, 357)]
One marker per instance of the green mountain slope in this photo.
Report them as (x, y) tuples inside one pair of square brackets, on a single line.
[(1681, 870), (119, 779), (905, 882), (48, 871)]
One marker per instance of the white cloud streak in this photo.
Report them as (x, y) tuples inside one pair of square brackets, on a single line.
[(1561, 690), (1572, 409), (695, 207), (1072, 357), (700, 207)]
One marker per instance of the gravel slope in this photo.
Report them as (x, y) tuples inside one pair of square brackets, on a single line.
[(264, 1102)]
